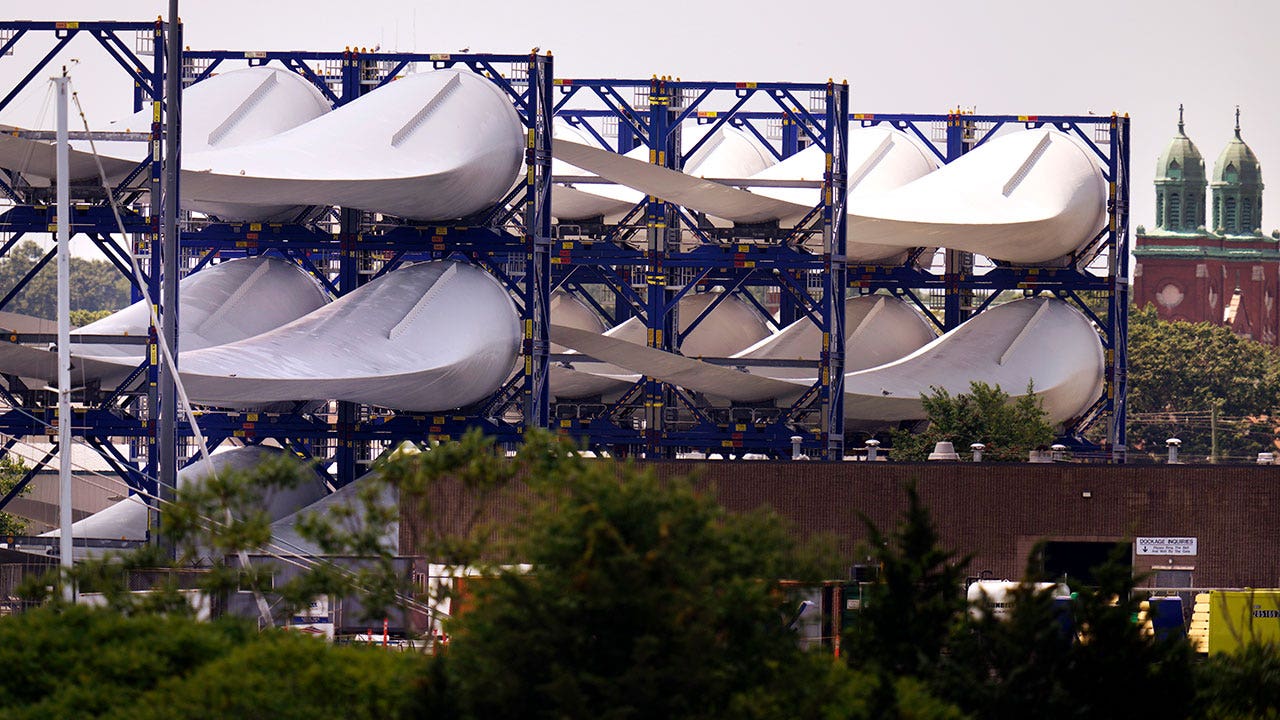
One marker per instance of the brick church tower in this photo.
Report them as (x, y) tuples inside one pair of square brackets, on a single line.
[(1226, 273)]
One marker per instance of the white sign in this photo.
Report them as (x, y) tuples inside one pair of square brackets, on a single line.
[(1166, 546)]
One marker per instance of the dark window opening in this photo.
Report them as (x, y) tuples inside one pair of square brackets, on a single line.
[(1076, 561)]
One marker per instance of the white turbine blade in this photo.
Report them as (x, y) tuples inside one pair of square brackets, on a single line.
[(399, 342), (878, 329), (566, 310), (676, 369), (127, 519), (221, 111), (705, 195), (730, 327), (1027, 197), (729, 152), (35, 158), (229, 301), (284, 531), (585, 200), (1041, 340), (431, 146)]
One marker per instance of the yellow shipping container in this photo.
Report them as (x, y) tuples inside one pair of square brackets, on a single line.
[(1239, 617)]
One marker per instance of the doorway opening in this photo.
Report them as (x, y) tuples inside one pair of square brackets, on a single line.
[(1076, 560)]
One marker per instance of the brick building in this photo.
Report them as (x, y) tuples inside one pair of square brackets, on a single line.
[(1224, 271), (997, 512)]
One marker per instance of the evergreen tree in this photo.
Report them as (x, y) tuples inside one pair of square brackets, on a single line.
[(637, 599)]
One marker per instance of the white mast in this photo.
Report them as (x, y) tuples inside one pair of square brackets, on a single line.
[(65, 544)]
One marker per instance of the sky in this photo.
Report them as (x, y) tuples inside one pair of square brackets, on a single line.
[(1141, 57)]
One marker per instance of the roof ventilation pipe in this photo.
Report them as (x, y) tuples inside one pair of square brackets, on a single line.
[(944, 451)]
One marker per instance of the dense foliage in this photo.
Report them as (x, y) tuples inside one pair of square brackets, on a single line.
[(985, 414), (77, 662), (1178, 372), (639, 599), (633, 598), (909, 613), (96, 285), (1088, 659), (1241, 685)]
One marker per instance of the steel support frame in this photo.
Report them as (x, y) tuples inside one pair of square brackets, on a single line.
[(958, 282), (524, 233), (541, 259), (734, 266), (97, 425)]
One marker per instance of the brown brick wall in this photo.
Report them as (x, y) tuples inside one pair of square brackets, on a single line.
[(997, 512)]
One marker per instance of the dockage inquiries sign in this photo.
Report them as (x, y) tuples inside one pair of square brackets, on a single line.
[(1166, 546)]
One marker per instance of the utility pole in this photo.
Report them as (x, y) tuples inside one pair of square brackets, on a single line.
[(1214, 406)]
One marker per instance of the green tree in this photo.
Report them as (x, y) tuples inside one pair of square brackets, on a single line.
[(908, 614), (80, 318), (77, 662), (985, 415), (95, 284), (636, 598), (285, 676), (1239, 685), (1087, 659), (1094, 662), (1178, 371), (212, 525), (11, 473)]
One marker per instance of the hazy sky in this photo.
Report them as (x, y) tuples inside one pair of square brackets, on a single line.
[(1142, 57)]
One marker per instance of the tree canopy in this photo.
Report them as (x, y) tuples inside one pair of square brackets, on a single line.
[(632, 597), (617, 595), (11, 472), (1087, 659), (79, 662), (1178, 372), (985, 414), (96, 285), (638, 600)]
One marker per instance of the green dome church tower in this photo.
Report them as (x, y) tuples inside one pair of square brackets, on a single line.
[(1180, 185), (1237, 188), (1224, 271)]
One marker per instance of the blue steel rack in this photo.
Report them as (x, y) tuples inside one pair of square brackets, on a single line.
[(512, 241), (517, 245), (957, 285), (1107, 137), (106, 413), (658, 418)]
